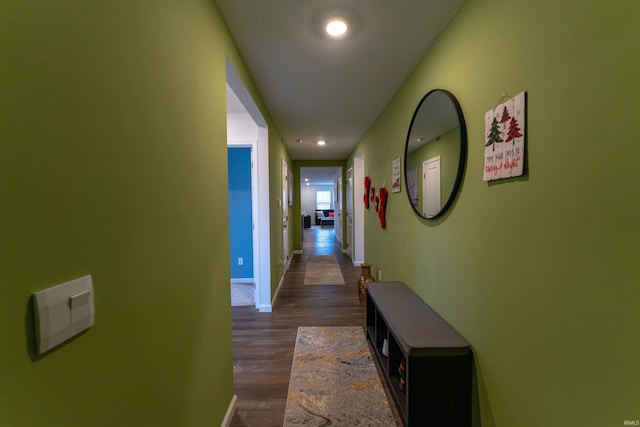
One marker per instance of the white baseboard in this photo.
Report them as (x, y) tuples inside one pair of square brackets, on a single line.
[(298, 251), (231, 411), (265, 308)]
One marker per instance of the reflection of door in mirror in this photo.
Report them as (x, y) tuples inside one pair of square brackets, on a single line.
[(437, 131), (431, 187), (446, 148)]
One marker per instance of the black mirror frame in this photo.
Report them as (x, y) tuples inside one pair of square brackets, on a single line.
[(461, 160)]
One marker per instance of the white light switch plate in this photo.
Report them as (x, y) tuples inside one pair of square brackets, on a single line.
[(63, 311)]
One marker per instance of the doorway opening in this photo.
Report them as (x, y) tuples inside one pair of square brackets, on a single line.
[(321, 199), (247, 128)]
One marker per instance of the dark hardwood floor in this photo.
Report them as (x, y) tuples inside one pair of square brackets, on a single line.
[(263, 343)]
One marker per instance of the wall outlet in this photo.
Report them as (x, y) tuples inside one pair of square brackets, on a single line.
[(379, 275), (240, 261)]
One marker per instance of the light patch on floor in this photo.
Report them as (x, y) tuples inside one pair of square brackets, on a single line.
[(323, 270), (242, 294)]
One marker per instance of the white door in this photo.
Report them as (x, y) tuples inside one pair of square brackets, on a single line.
[(285, 216), (431, 187), (349, 198), (358, 211), (337, 229)]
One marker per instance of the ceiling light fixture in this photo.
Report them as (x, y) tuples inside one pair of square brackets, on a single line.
[(336, 27), (321, 142)]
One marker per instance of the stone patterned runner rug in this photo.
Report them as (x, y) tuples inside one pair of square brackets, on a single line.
[(334, 381), (323, 270)]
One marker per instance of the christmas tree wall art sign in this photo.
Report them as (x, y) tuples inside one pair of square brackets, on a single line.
[(504, 134)]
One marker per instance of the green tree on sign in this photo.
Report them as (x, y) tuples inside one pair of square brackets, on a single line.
[(494, 135)]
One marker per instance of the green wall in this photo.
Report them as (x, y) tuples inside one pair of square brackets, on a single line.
[(113, 163), (539, 273)]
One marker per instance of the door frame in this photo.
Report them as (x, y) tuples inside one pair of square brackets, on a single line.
[(358, 210), (260, 193), (349, 209), (285, 216)]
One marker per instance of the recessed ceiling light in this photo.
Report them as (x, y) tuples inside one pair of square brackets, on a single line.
[(321, 142), (336, 21), (306, 180), (336, 27)]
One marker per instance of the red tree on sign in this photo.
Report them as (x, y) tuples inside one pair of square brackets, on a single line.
[(505, 115), (514, 131)]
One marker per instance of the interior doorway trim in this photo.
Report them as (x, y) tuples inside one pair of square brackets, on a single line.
[(261, 235), (358, 210)]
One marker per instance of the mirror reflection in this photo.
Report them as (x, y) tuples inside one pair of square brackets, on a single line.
[(435, 154)]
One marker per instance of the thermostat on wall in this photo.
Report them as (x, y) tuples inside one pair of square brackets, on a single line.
[(63, 311)]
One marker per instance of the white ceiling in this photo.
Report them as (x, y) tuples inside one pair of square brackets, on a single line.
[(318, 175), (317, 88)]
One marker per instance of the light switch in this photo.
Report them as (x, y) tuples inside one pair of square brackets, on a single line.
[(63, 311)]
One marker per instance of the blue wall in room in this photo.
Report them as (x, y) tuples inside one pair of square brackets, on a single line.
[(240, 223)]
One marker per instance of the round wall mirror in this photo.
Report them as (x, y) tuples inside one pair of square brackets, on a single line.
[(435, 154)]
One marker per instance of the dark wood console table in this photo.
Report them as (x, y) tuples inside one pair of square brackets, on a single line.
[(437, 360)]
